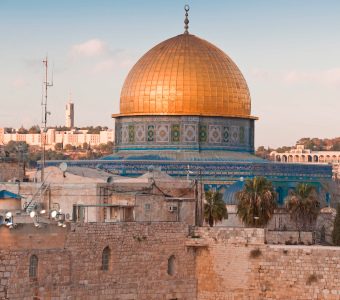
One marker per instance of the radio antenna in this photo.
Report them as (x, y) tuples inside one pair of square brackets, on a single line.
[(45, 113)]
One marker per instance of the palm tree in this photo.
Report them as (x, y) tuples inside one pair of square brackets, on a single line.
[(303, 205), (214, 208), (256, 202), (336, 228)]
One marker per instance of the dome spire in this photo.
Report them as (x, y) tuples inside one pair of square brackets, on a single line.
[(186, 21)]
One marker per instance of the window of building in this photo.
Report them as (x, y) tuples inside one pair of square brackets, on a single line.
[(33, 269), (147, 206), (171, 265), (106, 258)]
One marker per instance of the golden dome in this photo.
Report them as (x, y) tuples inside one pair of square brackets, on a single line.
[(185, 75)]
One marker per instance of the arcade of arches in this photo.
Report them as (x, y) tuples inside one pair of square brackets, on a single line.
[(301, 155)]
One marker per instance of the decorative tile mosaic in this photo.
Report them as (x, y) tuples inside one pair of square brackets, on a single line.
[(234, 134), (190, 133), (242, 135), (125, 134), (203, 133), (215, 135), (131, 133), (226, 135), (140, 133), (184, 132), (151, 133), (175, 133), (162, 133)]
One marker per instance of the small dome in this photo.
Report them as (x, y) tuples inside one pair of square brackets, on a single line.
[(185, 75)]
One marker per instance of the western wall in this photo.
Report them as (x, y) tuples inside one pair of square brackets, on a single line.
[(209, 263)]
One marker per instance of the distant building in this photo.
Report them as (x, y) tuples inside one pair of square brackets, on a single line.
[(72, 137), (69, 114), (301, 155)]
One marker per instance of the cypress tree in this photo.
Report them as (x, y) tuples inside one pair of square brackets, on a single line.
[(336, 229)]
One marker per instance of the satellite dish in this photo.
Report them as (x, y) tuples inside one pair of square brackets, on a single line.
[(32, 214), (63, 166), (54, 214), (8, 215), (109, 179)]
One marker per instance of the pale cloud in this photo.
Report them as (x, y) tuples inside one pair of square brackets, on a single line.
[(118, 59), (105, 65), (261, 74), (330, 77), (19, 83), (90, 48), (327, 77)]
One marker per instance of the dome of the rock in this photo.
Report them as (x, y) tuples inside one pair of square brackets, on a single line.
[(185, 75)]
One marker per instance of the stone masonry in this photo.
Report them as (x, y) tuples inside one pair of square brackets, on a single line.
[(210, 264), (70, 268)]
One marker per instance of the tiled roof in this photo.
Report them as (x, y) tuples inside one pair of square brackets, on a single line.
[(6, 194)]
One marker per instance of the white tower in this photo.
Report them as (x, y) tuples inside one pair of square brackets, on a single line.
[(69, 114)]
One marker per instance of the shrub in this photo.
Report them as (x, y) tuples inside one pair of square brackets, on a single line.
[(311, 278), (255, 253)]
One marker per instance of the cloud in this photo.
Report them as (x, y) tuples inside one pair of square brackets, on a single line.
[(326, 77), (329, 77), (19, 83), (105, 65), (118, 59), (260, 74), (90, 48)]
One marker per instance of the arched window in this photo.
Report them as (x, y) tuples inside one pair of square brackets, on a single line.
[(171, 265), (33, 269), (106, 258)]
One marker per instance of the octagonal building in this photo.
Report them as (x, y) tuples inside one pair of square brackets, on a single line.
[(185, 95), (185, 108)]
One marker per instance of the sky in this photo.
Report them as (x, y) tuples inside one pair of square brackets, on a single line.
[(287, 50)]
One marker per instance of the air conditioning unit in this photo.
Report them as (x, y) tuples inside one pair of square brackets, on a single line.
[(172, 208)]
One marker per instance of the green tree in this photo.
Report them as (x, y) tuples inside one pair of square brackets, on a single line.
[(22, 130), (214, 208), (336, 146), (256, 202), (34, 129), (336, 229), (85, 146), (69, 147), (303, 205), (15, 147), (58, 146)]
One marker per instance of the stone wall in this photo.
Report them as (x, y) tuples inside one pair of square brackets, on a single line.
[(289, 237), (210, 263), (236, 265), (70, 262)]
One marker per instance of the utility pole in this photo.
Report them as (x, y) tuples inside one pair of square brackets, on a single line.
[(45, 113)]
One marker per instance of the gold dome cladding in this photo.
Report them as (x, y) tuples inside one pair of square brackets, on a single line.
[(185, 75)]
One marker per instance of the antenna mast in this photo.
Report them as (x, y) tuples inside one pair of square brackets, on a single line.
[(45, 113)]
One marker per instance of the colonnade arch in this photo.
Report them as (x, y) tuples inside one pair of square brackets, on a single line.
[(307, 158)]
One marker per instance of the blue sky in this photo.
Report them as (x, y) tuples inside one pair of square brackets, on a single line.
[(288, 51)]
